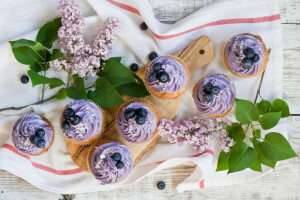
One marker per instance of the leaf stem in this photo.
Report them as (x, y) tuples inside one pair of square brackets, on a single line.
[(69, 76)]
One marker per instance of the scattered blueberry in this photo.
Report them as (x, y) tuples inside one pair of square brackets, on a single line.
[(75, 119), (24, 79), (161, 185), (116, 157), (141, 112), (256, 58), (163, 76), (157, 66), (152, 55), (249, 53), (40, 132), (68, 112), (134, 67), (65, 125), (120, 164), (208, 97), (247, 63), (129, 113), (144, 26), (140, 120), (215, 90), (34, 139), (207, 87), (41, 143), (153, 76)]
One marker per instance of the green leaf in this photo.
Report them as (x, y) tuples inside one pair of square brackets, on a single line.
[(275, 147), (62, 94), (280, 105), (21, 43), (55, 82), (137, 89), (242, 156), (269, 120), (37, 79), (256, 166), (257, 133), (56, 54), (27, 55), (116, 73), (105, 94), (264, 107), (260, 156), (236, 132), (116, 59), (223, 161), (78, 90), (245, 111), (48, 33), (36, 67)]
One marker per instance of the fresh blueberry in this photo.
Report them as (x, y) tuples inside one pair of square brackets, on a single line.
[(116, 157), (65, 125), (129, 113), (68, 112), (163, 76), (40, 133), (161, 185), (207, 87), (120, 164), (152, 55), (34, 139), (157, 66), (256, 58), (141, 112), (24, 79), (208, 97), (215, 90), (41, 143), (144, 26), (247, 63), (249, 53), (153, 76), (140, 120), (134, 67), (75, 119)]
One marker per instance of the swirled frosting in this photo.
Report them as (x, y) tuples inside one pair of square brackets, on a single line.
[(234, 54), (134, 132), (222, 102), (177, 75), (104, 167), (26, 126), (91, 121)]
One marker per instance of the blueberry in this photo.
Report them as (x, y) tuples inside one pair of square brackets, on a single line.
[(153, 76), (75, 119), (141, 112), (116, 157), (152, 55), (41, 143), (120, 164), (161, 185), (144, 26), (134, 67), (140, 120), (129, 113), (34, 139), (157, 66), (256, 58), (215, 90), (24, 79), (68, 112), (207, 87), (163, 76), (247, 63), (65, 125), (249, 53), (40, 132), (208, 97)]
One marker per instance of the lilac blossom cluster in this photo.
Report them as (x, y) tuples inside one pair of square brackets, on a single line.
[(197, 132), (81, 58)]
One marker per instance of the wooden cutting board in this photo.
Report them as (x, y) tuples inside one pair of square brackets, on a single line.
[(196, 55)]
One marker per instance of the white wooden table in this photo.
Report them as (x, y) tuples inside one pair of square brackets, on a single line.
[(282, 183)]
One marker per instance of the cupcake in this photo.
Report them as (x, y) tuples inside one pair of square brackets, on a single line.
[(137, 121), (110, 161), (246, 55), (82, 122), (167, 77), (32, 134), (214, 95)]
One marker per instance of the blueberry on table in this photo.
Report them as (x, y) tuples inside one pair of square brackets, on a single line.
[(120, 164), (41, 143), (116, 157), (24, 79), (134, 67), (157, 66), (141, 112), (34, 139), (140, 120), (215, 90), (249, 53), (256, 58), (161, 185), (152, 55), (68, 112), (207, 97), (40, 132), (144, 26), (207, 87), (65, 125), (247, 63), (153, 76), (163, 76)]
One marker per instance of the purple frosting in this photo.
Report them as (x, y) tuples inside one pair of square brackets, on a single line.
[(222, 102), (134, 132), (91, 121), (104, 167), (234, 54), (26, 126), (177, 75)]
